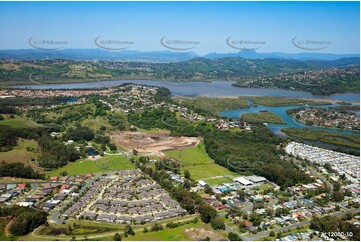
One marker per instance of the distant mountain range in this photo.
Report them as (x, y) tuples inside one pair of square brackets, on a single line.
[(156, 56), (97, 54), (252, 54)]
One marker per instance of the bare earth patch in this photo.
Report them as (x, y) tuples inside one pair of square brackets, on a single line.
[(97, 157), (153, 143), (198, 234), (7, 228), (7, 179)]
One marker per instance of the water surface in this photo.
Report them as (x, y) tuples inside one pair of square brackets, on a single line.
[(282, 112), (212, 89)]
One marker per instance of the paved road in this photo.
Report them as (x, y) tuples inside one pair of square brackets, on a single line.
[(55, 216), (230, 229), (120, 152), (314, 172), (38, 167), (36, 124), (125, 154), (262, 234)]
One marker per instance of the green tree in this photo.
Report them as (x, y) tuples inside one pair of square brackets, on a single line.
[(207, 213), (233, 237), (208, 189), (117, 237), (241, 195), (128, 231), (186, 184), (217, 223), (187, 174), (156, 227)]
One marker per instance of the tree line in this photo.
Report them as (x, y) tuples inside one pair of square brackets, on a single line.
[(18, 169), (26, 219), (55, 154)]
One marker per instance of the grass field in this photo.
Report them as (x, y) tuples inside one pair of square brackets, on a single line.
[(20, 153), (84, 229), (84, 166), (91, 230), (207, 171), (191, 155), (91, 123), (264, 117), (181, 233), (220, 180), (198, 163), (17, 122), (279, 101), (176, 234)]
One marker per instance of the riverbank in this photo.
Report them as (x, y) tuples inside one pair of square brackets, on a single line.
[(246, 96), (281, 111), (200, 89), (346, 141)]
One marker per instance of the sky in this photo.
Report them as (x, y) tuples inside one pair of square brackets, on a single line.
[(205, 25)]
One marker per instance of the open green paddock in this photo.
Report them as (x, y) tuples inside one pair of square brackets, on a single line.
[(102, 165), (17, 122), (197, 161), (199, 172), (174, 234), (191, 155), (220, 180), (93, 230), (20, 153)]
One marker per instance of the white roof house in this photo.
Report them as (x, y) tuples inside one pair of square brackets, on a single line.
[(7, 195), (256, 179), (25, 204), (67, 191), (243, 181), (202, 183)]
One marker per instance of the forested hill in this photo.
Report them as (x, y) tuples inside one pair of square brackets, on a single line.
[(199, 68)]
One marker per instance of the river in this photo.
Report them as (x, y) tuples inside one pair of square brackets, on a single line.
[(211, 89), (221, 89), (282, 112)]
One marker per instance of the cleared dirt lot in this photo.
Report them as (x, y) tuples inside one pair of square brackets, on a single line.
[(153, 143), (198, 234)]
